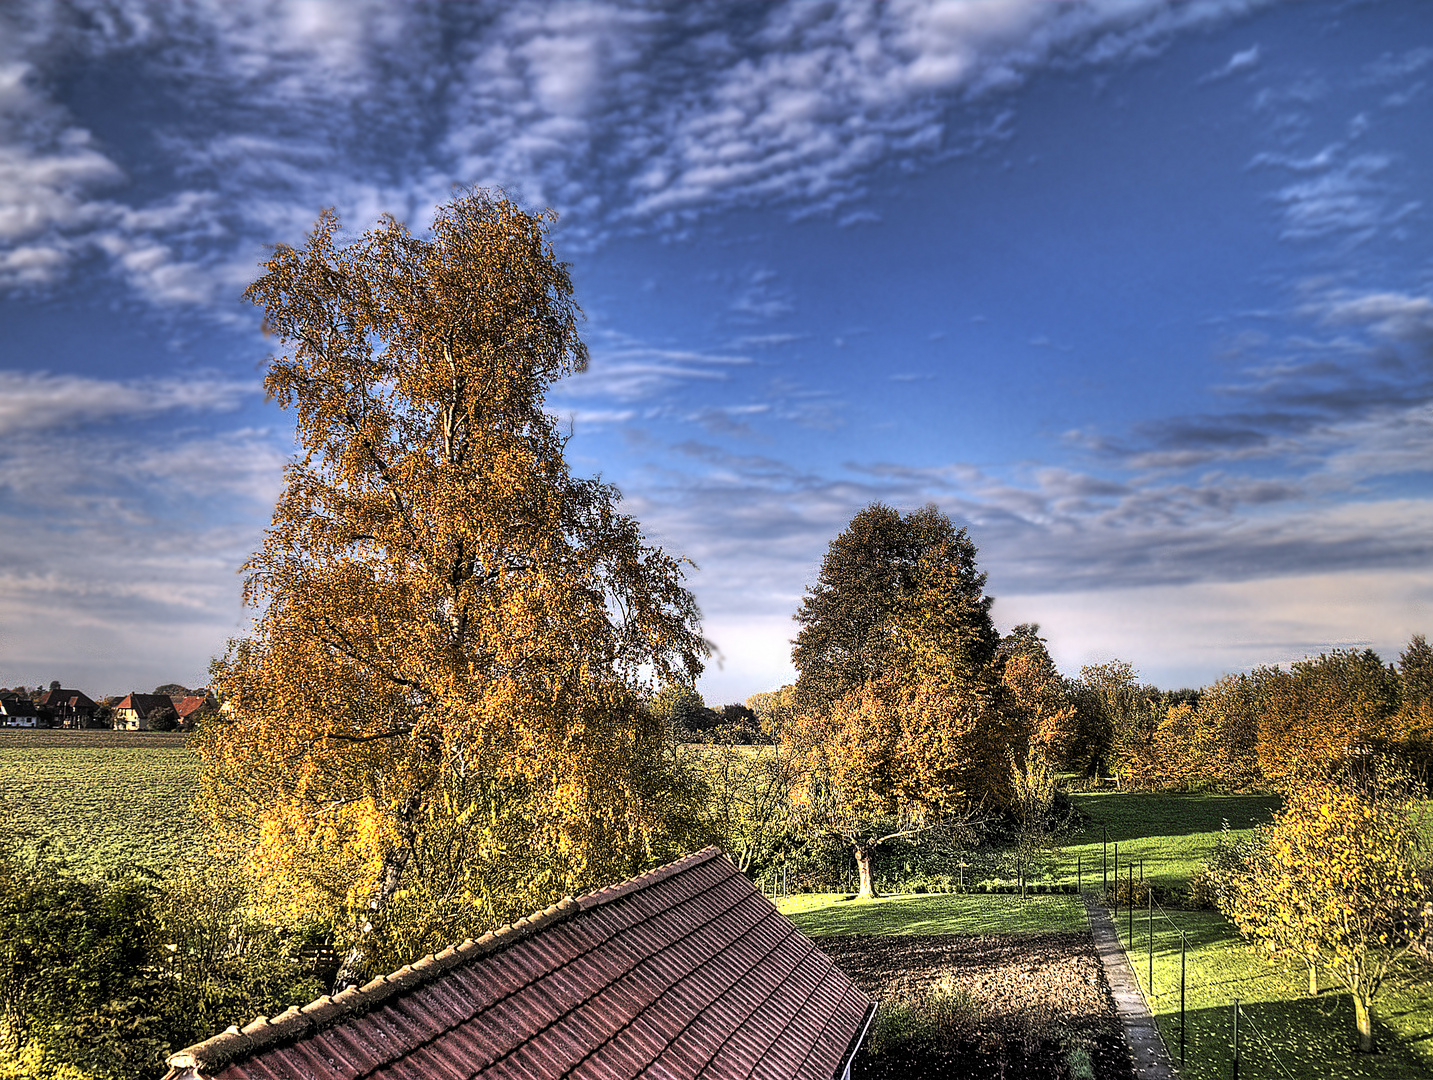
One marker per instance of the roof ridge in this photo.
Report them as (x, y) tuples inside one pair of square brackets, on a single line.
[(299, 1020), (642, 881)]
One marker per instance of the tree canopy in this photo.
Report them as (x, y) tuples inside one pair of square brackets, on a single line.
[(891, 587), (453, 631), (901, 720)]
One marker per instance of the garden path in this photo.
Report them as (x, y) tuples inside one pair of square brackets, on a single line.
[(1147, 1051)]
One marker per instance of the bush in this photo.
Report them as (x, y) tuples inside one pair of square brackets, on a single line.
[(939, 1018), (1216, 884), (103, 978)]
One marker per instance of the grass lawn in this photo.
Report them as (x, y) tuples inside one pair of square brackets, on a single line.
[(102, 798), (828, 914), (1172, 832), (1282, 1031)]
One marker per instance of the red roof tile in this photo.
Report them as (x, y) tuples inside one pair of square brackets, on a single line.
[(683, 972)]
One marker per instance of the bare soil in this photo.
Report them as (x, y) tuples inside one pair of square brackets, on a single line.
[(1037, 996)]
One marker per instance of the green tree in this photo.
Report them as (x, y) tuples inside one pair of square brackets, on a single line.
[(1338, 884), (454, 633), (1121, 709), (871, 570), (898, 628), (1413, 730)]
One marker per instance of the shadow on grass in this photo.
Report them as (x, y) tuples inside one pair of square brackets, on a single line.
[(1278, 1040)]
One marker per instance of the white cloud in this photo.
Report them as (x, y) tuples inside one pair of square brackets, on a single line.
[(1240, 62), (118, 544), (1188, 635), (32, 401), (618, 114), (1352, 198), (636, 373)]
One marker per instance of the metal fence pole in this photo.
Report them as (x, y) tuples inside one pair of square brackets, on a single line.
[(1131, 905), (1079, 873), (1105, 859), (1150, 893)]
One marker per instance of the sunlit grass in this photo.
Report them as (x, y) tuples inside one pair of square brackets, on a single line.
[(1173, 833), (828, 914), (1283, 1032), (102, 799)]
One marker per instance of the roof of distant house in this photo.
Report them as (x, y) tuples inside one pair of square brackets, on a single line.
[(144, 704), (192, 704), (682, 971), (15, 705), (74, 699)]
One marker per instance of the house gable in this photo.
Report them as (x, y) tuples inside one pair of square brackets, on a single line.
[(684, 970)]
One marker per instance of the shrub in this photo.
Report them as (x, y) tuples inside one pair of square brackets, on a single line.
[(941, 1016), (1216, 884)]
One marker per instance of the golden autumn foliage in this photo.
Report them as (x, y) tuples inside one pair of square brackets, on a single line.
[(1043, 701), (453, 632), (1320, 712), (1337, 885)]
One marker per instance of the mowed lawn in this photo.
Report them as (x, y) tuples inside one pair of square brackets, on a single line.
[(1169, 834), (101, 799), (1283, 1032), (830, 914)]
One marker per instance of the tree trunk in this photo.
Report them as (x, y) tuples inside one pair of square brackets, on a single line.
[(354, 969), (1311, 958), (863, 864), (1364, 1019)]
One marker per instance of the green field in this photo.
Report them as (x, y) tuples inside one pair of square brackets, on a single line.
[(827, 914), (1170, 833), (102, 798), (1283, 1031)]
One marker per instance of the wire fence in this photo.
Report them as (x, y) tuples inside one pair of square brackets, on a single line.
[(1238, 1040)]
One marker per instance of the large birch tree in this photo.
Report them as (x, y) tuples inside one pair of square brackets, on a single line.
[(436, 715)]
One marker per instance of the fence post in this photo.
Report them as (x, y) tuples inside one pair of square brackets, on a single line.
[(1181, 996), (1105, 859), (1117, 877), (1079, 873), (1236, 1039)]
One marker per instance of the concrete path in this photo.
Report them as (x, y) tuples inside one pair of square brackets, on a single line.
[(1146, 1048)]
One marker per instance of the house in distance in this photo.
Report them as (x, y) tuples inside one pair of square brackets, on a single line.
[(143, 712), (682, 972)]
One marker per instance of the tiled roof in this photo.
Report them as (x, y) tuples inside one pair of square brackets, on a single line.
[(144, 704), (192, 703), (684, 972), (74, 699), (14, 705)]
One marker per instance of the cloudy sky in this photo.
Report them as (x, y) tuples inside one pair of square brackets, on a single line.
[(1139, 291)]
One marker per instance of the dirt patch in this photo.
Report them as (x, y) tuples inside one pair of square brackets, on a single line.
[(1035, 997)]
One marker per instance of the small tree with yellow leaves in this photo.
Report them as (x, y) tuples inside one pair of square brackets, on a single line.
[(1337, 884)]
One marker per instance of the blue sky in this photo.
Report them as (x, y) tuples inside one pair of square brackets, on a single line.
[(1139, 291)]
